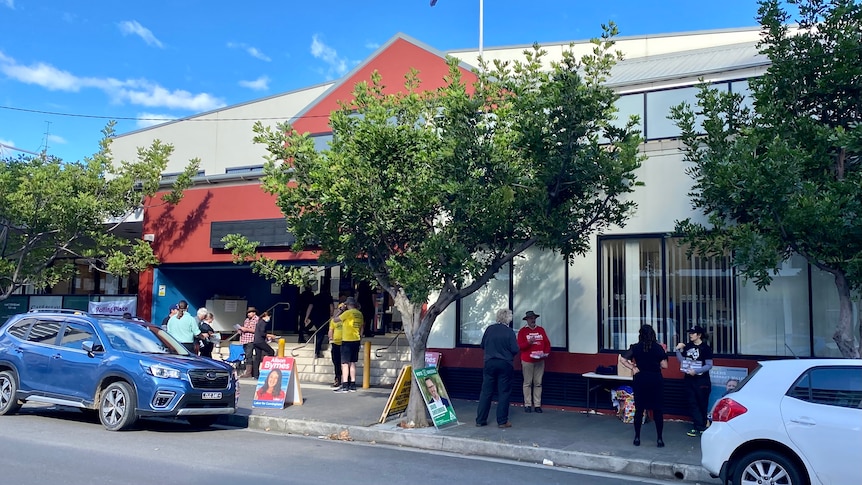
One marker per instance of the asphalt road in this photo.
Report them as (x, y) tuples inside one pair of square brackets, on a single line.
[(62, 446)]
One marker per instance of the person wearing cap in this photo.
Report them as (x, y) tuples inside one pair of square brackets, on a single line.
[(535, 347), (246, 338), (351, 328), (184, 327), (695, 361), (171, 312)]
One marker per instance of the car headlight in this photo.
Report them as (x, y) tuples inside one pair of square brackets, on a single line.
[(158, 370)]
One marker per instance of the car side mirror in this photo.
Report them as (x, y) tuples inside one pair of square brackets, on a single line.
[(90, 348)]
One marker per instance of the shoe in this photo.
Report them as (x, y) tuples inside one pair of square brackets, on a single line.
[(351, 388), (694, 433), (538, 410), (660, 443), (340, 389), (637, 441), (479, 425), (505, 425), (528, 409), (336, 383)]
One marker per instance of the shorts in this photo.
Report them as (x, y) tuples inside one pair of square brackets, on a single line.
[(349, 351)]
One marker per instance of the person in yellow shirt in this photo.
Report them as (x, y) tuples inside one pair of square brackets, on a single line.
[(351, 327), (335, 350)]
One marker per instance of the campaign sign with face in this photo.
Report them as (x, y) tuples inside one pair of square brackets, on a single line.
[(274, 383), (435, 396)]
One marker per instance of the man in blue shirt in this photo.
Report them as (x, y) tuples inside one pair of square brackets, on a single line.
[(184, 327)]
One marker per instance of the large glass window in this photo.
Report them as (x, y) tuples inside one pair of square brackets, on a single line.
[(775, 321), (479, 309), (652, 281), (825, 306), (540, 286)]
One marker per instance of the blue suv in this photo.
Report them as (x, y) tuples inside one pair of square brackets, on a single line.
[(123, 369)]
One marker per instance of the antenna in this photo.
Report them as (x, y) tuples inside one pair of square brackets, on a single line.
[(47, 134)]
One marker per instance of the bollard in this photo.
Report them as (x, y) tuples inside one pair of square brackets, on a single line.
[(366, 366), (280, 347)]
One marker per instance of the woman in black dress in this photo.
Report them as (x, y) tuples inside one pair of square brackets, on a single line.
[(647, 358)]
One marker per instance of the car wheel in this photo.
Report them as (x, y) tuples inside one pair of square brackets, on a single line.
[(204, 421), (767, 466), (9, 403), (117, 407)]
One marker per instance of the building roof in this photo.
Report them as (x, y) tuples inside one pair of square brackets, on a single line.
[(687, 64)]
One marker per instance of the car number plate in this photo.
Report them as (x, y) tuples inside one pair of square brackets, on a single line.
[(211, 395)]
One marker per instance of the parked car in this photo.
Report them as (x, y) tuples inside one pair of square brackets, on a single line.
[(124, 369), (789, 422)]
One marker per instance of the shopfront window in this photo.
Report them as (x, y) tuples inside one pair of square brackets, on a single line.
[(479, 309), (540, 286), (775, 321), (652, 281)]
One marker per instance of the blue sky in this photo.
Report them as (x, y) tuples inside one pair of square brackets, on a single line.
[(67, 67)]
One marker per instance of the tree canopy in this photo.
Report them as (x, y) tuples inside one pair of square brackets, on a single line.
[(56, 214), (784, 175), (430, 193)]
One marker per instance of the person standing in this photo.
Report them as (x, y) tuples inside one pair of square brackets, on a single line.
[(500, 347), (261, 342), (246, 338), (351, 328), (335, 350), (695, 358), (305, 299), (171, 312), (646, 359), (205, 343), (184, 327), (535, 347), (318, 314)]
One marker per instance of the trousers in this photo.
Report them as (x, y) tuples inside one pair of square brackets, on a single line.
[(496, 374), (533, 372)]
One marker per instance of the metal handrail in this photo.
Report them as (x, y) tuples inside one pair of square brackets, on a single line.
[(272, 322), (394, 340), (307, 341)]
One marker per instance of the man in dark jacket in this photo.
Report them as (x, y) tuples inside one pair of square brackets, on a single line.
[(501, 347)]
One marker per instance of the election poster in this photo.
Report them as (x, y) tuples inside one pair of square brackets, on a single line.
[(400, 395), (436, 398), (277, 384), (724, 380)]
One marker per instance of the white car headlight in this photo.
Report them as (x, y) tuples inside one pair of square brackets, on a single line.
[(159, 370)]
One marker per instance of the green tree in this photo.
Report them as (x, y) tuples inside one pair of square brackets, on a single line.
[(785, 176), (54, 214), (430, 193)]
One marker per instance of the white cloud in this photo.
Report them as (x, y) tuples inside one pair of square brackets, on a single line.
[(371, 45), (140, 92), (9, 3), (259, 84), (149, 119), (250, 50), (57, 139), (133, 27), (337, 65)]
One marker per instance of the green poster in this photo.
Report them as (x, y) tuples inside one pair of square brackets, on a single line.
[(436, 398)]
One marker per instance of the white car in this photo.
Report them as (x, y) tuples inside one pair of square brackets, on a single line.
[(790, 422)]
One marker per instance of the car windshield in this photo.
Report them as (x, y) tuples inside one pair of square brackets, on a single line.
[(137, 337)]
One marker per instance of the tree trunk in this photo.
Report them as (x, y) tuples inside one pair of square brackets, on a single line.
[(843, 335)]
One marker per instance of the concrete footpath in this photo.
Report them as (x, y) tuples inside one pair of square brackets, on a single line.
[(565, 438)]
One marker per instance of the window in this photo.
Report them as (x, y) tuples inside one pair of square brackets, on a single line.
[(479, 309), (76, 334), (651, 281), (44, 332), (20, 329), (776, 321), (540, 285), (832, 386)]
